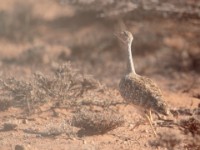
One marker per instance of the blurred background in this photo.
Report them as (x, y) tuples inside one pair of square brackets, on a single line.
[(36, 35), (41, 99)]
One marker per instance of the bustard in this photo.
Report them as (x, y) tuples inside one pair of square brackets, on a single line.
[(137, 89)]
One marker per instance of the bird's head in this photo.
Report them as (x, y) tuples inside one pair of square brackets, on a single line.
[(125, 36)]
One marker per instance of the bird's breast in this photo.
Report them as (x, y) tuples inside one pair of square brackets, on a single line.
[(142, 92)]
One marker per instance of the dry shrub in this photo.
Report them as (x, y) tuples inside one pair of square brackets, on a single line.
[(191, 125), (193, 143), (66, 85), (104, 103), (168, 140), (35, 55), (97, 122), (109, 8), (53, 129), (4, 104), (189, 139), (18, 92), (58, 128), (18, 25)]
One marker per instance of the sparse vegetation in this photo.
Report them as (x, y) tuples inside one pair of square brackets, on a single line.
[(46, 103), (191, 129), (167, 140), (188, 138), (192, 143), (33, 56), (97, 122), (17, 92), (4, 104), (110, 8), (191, 125), (18, 25), (65, 86)]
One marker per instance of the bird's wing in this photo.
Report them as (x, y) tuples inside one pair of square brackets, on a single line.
[(150, 86)]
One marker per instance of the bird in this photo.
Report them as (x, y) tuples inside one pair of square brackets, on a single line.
[(137, 89)]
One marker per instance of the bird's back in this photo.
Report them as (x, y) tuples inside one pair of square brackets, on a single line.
[(143, 92)]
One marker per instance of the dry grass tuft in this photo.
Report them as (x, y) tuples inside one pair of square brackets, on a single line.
[(97, 122), (168, 140)]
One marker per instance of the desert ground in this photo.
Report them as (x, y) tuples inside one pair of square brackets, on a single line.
[(60, 66)]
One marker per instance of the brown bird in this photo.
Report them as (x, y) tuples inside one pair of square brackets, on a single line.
[(137, 89)]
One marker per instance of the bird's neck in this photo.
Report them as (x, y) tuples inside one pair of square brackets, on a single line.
[(130, 64)]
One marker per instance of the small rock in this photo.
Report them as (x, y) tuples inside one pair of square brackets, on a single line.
[(73, 139), (9, 126), (19, 147), (25, 121), (131, 125), (12, 134), (84, 142), (146, 131), (125, 142)]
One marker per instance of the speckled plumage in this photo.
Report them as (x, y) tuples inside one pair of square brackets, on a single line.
[(137, 89), (143, 92)]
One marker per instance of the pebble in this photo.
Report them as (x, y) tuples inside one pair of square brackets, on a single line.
[(25, 121), (19, 147), (9, 126), (146, 131)]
